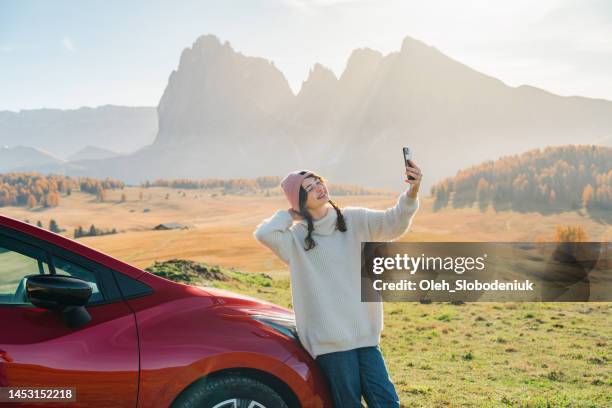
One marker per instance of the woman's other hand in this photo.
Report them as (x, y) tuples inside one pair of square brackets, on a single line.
[(295, 215)]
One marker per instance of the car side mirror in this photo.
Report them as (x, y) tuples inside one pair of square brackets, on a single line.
[(65, 294)]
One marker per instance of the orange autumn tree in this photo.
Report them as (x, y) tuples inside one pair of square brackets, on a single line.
[(571, 233), (557, 178), (32, 189)]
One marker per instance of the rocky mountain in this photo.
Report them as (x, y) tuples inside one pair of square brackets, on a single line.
[(65, 132), (224, 114)]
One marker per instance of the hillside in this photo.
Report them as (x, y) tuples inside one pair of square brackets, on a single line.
[(556, 179)]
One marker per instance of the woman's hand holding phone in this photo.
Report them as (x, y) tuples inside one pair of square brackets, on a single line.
[(414, 176), (413, 172)]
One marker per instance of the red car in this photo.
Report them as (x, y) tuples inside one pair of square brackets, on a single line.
[(79, 324)]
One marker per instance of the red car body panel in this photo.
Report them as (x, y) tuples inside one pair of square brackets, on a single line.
[(145, 351), (302, 375), (46, 353)]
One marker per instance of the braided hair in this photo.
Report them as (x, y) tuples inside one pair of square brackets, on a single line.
[(340, 223)]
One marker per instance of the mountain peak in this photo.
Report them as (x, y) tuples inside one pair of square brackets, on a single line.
[(361, 64), (320, 80), (207, 45), (412, 44), (207, 41), (364, 55), (320, 73), (319, 70), (216, 89)]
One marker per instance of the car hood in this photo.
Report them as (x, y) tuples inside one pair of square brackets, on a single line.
[(245, 303)]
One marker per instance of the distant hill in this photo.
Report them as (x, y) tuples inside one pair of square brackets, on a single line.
[(65, 132), (14, 157), (92, 153), (227, 115), (553, 179)]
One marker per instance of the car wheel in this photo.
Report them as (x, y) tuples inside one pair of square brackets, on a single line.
[(229, 392)]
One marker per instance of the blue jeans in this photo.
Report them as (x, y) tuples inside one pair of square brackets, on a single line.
[(353, 373)]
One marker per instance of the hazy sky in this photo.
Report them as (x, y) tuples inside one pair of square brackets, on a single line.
[(66, 54)]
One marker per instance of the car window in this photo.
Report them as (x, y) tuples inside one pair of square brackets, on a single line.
[(64, 267), (17, 261)]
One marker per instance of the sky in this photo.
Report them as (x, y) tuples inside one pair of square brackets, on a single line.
[(68, 54)]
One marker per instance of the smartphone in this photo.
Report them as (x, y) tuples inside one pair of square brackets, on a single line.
[(407, 159)]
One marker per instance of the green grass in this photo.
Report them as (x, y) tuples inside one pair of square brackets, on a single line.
[(481, 354)]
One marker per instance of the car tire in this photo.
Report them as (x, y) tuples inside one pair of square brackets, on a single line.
[(229, 392)]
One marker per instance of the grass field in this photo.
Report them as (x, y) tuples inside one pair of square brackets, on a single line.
[(439, 355), (482, 354)]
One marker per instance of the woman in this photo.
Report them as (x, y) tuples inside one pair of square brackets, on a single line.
[(323, 251)]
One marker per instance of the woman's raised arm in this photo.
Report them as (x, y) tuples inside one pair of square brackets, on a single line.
[(274, 233), (392, 223)]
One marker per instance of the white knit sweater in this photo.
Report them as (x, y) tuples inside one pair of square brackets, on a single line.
[(326, 280)]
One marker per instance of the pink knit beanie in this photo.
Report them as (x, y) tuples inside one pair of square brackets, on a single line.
[(291, 186)]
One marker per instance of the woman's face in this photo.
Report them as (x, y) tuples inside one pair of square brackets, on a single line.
[(317, 192)]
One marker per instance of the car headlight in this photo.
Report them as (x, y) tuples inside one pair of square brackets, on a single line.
[(282, 323)]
